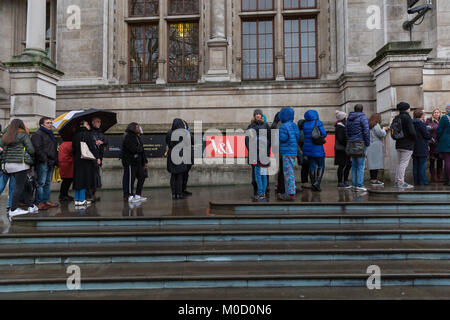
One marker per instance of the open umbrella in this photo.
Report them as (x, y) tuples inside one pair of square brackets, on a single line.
[(62, 119), (69, 128)]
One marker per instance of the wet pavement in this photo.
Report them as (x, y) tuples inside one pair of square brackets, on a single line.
[(160, 203)]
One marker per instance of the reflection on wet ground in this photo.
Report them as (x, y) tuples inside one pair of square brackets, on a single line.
[(160, 202)]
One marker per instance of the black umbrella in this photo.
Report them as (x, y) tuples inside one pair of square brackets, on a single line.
[(108, 118)]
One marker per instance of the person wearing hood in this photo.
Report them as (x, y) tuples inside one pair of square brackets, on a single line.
[(421, 148), (305, 162), (186, 174), (83, 169), (358, 132), (443, 134), (260, 131), (134, 162), (404, 146), (341, 159), (177, 169), (314, 152), (44, 143), (289, 138)]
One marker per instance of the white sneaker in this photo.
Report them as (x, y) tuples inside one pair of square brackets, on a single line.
[(361, 189), (133, 199), (33, 209), (82, 203), (17, 212), (139, 198)]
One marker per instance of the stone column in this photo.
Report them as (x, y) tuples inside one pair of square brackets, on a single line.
[(218, 43), (398, 71), (278, 50), (33, 75)]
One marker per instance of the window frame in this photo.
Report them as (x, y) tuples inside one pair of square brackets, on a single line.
[(184, 13), (299, 7), (299, 18), (130, 26), (130, 15), (257, 9), (168, 52), (256, 19)]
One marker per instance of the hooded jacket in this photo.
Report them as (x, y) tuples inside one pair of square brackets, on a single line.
[(421, 147), (406, 143), (289, 133), (258, 127), (133, 153), (171, 166), (309, 148), (358, 128)]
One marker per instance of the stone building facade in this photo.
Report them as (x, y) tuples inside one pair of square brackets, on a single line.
[(216, 61)]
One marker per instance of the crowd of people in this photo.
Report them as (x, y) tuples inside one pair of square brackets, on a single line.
[(357, 139), (28, 162)]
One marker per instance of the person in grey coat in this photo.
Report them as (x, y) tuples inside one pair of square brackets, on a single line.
[(375, 152)]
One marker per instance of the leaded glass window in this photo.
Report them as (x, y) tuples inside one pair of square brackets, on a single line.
[(257, 5), (180, 7), (183, 51), (299, 4), (257, 50), (144, 7), (143, 53), (300, 48)]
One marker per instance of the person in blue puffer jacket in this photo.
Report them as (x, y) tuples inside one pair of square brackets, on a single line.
[(289, 137), (314, 152)]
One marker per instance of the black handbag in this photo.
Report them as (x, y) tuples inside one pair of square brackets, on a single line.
[(356, 149), (316, 135)]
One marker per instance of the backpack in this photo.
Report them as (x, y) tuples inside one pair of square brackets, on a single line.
[(396, 129), (301, 139), (316, 135)]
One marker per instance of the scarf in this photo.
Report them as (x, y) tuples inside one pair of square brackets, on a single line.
[(49, 132)]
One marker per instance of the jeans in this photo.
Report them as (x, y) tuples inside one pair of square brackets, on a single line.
[(403, 160), (358, 165), (315, 162), (12, 184), (419, 170), (20, 191), (80, 195), (261, 181), (44, 179)]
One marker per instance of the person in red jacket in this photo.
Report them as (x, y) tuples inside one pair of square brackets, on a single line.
[(65, 162)]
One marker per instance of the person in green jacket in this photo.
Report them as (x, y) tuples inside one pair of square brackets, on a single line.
[(17, 161), (443, 147)]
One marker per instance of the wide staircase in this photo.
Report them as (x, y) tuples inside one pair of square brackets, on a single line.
[(240, 250)]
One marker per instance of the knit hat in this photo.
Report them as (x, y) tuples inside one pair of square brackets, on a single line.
[(403, 106), (340, 115), (257, 111)]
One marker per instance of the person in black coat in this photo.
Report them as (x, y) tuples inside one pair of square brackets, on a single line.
[(341, 159), (421, 148), (83, 169), (100, 142), (405, 145), (186, 174), (177, 171), (134, 162), (305, 160)]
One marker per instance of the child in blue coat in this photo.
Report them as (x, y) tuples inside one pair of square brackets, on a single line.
[(289, 138)]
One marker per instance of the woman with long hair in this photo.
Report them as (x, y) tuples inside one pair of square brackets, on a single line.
[(436, 163), (341, 159), (83, 169), (375, 152), (17, 161)]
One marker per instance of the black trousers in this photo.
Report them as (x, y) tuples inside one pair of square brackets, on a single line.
[(65, 186), (305, 171), (20, 192), (185, 180), (133, 173), (343, 172), (373, 174), (176, 182), (280, 178)]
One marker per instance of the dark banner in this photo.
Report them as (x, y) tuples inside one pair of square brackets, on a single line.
[(154, 145)]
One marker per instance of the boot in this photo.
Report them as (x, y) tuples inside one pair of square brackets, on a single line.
[(316, 185), (434, 177), (312, 178)]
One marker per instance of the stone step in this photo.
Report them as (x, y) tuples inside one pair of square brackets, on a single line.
[(272, 293), (225, 274), (249, 207), (249, 233), (270, 219)]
